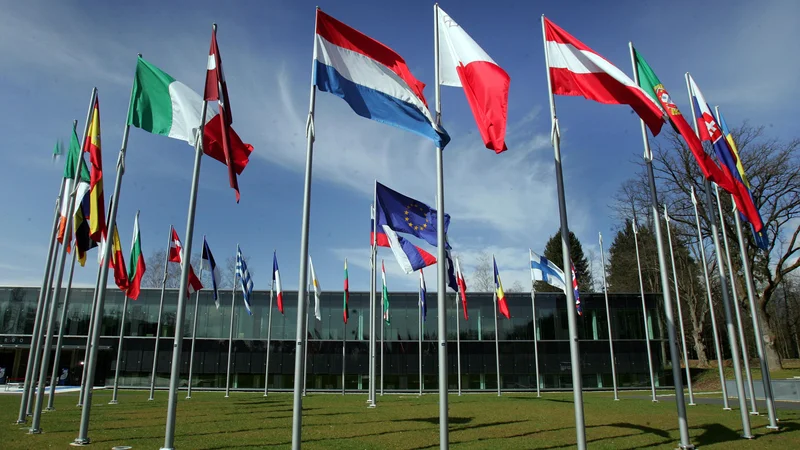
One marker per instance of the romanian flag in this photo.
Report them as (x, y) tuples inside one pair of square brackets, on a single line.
[(501, 296), (97, 210), (118, 263)]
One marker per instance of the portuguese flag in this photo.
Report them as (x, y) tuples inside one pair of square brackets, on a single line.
[(346, 292), (136, 269)]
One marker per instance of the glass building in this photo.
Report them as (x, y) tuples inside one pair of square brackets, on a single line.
[(325, 358)]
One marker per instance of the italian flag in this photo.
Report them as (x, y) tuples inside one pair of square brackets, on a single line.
[(137, 268), (385, 295), (346, 291)]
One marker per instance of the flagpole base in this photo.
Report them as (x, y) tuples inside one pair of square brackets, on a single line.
[(53, 409), (20, 422), (80, 442), (748, 436), (113, 402), (727, 409), (692, 404), (188, 397), (685, 447), (773, 428), (755, 413), (150, 399), (36, 431)]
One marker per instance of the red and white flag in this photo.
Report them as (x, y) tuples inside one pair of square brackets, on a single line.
[(176, 255), (462, 288), (217, 89), (463, 63), (576, 69)]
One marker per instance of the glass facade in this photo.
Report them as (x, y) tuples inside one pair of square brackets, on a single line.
[(326, 337)]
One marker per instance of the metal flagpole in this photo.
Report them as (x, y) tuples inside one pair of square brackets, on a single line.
[(82, 393), (117, 370), (572, 320), (441, 285), (675, 359), (496, 342), (99, 303), (717, 345), (608, 320), (680, 313), (177, 346), (644, 311), (736, 307), (458, 343), (40, 305), (160, 313), (40, 338), (773, 421), (305, 346), (60, 340), (533, 321), (297, 399), (194, 332), (372, 303), (726, 306), (230, 332), (419, 341), (383, 328), (344, 350), (62, 257), (269, 335)]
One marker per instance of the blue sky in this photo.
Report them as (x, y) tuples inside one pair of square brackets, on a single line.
[(54, 52)]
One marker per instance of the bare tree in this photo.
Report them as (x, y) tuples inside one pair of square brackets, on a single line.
[(516, 287), (482, 279)]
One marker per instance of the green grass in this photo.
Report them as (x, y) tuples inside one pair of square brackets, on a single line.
[(477, 421), (708, 379)]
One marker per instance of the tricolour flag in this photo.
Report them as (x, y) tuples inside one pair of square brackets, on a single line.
[(463, 63), (276, 281), (83, 240), (373, 79), (317, 291), (137, 268), (575, 291), (346, 313), (422, 291), (575, 69), (210, 266), (385, 295), (92, 145), (243, 274), (542, 269), (498, 289), (118, 263), (409, 256), (462, 288), (74, 156)]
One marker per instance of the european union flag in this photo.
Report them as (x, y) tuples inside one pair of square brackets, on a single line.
[(406, 215)]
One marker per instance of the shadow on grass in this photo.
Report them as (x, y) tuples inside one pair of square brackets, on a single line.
[(435, 420), (715, 433)]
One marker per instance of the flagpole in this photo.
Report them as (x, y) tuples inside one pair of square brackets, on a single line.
[(496, 342), (458, 343), (766, 380), (711, 214), (305, 346), (117, 370), (680, 313), (48, 343), (675, 359), (40, 339), (535, 336), (344, 345), (373, 299), (40, 305), (419, 339), (441, 285), (297, 400), (60, 340), (160, 313), (269, 335), (572, 321), (230, 333), (383, 326), (717, 345), (736, 308), (82, 392), (194, 331), (644, 312), (608, 320), (99, 303)]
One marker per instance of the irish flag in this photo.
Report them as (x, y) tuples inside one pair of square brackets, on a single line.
[(137, 268)]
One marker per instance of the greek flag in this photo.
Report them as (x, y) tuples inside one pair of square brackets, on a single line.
[(243, 274)]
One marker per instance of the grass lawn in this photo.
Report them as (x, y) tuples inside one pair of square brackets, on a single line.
[(479, 421)]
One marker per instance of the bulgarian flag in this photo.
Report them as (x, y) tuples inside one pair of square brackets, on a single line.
[(137, 267), (346, 291), (385, 295)]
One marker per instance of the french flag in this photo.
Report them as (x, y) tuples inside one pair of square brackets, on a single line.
[(373, 79), (276, 281), (410, 257)]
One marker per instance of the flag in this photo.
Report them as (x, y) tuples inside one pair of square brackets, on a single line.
[(210, 266), (58, 150), (498, 288), (708, 130), (406, 215), (74, 156), (217, 89), (462, 288), (317, 291), (463, 63), (385, 295), (276, 281), (137, 268), (346, 292), (373, 79), (575, 291), (91, 145), (542, 269), (422, 291), (243, 274), (176, 256), (83, 240), (162, 105), (409, 256), (576, 69), (452, 283), (118, 263)]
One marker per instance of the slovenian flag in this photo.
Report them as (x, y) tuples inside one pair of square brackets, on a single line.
[(276, 281), (373, 79)]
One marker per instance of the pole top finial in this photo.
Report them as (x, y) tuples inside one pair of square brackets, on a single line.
[(214, 26)]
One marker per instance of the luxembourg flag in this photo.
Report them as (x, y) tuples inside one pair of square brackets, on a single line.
[(463, 63), (373, 79)]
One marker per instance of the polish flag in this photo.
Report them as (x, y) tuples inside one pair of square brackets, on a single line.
[(463, 63), (577, 70)]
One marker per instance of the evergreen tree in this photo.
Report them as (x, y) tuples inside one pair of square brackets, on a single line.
[(623, 275), (552, 251)]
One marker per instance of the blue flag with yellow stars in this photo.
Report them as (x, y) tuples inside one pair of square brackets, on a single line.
[(406, 215)]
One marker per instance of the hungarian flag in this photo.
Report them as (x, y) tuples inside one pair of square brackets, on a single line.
[(176, 256), (118, 262), (217, 89), (97, 210), (346, 292), (463, 63), (74, 157), (501, 295), (462, 288), (575, 69), (385, 295), (137, 268), (276, 281)]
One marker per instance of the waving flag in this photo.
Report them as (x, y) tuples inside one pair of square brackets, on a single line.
[(346, 312), (117, 262), (74, 155), (373, 79), (575, 291), (462, 288), (247, 283), (575, 69), (210, 266), (498, 288), (276, 281), (317, 291), (542, 269), (409, 256), (385, 295), (422, 291), (463, 63), (406, 215), (176, 256), (97, 209), (81, 219), (137, 267)]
